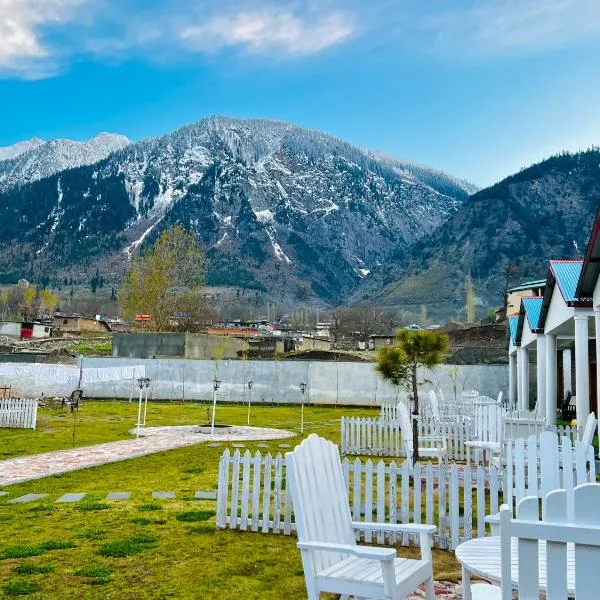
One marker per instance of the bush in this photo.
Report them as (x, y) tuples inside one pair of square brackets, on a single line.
[(149, 507), (89, 506), (120, 549)]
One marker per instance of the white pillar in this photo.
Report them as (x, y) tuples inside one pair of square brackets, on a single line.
[(524, 368), (512, 380), (541, 374), (597, 337), (566, 362), (582, 368), (551, 373)]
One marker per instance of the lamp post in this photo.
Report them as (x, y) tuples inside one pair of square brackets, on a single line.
[(216, 384), (140, 382), (302, 390), (147, 384), (250, 384)]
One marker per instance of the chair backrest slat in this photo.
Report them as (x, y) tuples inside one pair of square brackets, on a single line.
[(318, 491)]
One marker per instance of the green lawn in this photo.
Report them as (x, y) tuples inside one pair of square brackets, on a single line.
[(143, 548)]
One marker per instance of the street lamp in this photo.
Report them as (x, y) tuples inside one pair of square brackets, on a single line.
[(140, 381), (147, 384), (303, 387), (250, 384), (216, 384)]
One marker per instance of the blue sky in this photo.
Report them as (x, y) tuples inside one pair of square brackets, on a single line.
[(479, 88)]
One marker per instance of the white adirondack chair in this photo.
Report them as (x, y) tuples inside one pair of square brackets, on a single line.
[(429, 446), (589, 430), (522, 423), (436, 412), (332, 560), (537, 465), (487, 428), (530, 541)]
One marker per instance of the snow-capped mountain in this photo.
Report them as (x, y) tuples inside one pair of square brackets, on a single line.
[(8, 152), (297, 212), (35, 159)]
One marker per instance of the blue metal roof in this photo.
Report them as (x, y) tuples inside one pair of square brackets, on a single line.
[(533, 310), (567, 274), (512, 327)]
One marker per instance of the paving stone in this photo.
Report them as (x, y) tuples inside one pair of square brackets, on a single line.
[(284, 446), (239, 445), (118, 496), (262, 445), (27, 498), (3, 493), (163, 495), (205, 495), (214, 445), (71, 497)]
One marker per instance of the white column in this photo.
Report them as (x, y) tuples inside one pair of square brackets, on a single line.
[(582, 368), (541, 374), (597, 337), (524, 365), (512, 380), (551, 374), (566, 362)]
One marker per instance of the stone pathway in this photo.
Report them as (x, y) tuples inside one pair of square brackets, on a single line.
[(155, 439), (73, 497)]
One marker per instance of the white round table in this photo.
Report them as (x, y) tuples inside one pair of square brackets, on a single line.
[(481, 557)]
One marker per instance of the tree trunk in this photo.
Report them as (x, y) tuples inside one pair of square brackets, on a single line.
[(415, 427)]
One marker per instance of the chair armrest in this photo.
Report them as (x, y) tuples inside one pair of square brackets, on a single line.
[(492, 519), (416, 528), (432, 438), (369, 552)]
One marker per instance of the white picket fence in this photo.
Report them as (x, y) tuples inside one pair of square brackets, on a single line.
[(18, 412), (252, 497), (383, 437)]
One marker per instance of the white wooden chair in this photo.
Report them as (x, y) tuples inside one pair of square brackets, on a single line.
[(487, 428), (429, 446), (589, 430), (332, 560), (540, 548), (540, 464)]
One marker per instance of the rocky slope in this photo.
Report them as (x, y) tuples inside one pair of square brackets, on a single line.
[(296, 212), (35, 159), (543, 212)]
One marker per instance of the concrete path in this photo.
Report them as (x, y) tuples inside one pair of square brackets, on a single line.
[(156, 439)]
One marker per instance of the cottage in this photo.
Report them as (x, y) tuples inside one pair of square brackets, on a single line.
[(75, 322)]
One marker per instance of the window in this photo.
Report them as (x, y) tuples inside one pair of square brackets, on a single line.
[(65, 321)]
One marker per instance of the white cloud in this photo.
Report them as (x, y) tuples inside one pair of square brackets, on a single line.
[(21, 49), (268, 30), (487, 27)]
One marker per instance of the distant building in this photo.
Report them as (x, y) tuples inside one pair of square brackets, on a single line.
[(77, 323), (378, 341), (529, 288), (25, 330)]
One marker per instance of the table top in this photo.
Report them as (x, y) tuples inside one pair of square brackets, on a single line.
[(481, 556)]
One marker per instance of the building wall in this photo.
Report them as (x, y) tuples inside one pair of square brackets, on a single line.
[(205, 347), (313, 343), (41, 331), (513, 302), (329, 382), (10, 329), (148, 345), (79, 324)]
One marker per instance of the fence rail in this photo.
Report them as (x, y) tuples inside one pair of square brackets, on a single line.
[(383, 437), (252, 497), (18, 412)]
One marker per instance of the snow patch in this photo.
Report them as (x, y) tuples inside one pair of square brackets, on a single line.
[(132, 247), (264, 216)]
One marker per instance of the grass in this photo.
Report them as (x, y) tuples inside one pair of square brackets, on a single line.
[(130, 550)]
